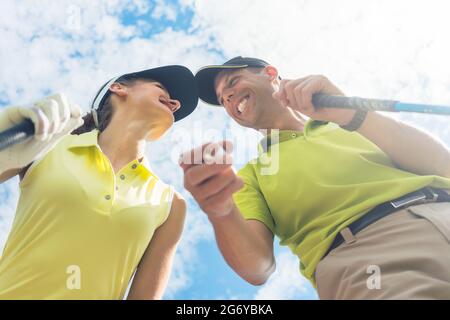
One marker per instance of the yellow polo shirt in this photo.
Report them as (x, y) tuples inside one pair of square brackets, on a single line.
[(312, 184), (80, 229)]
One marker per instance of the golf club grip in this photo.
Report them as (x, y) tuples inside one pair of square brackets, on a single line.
[(16, 134), (329, 101)]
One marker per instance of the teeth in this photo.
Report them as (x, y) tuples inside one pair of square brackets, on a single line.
[(241, 107)]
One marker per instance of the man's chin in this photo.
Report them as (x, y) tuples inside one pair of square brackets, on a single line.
[(248, 123)]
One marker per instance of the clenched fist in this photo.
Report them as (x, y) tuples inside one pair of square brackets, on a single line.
[(210, 177), (53, 117), (297, 94)]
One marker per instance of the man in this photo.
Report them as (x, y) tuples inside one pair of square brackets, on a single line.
[(362, 199)]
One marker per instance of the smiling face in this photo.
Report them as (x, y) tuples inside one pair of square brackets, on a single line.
[(146, 101), (152, 98), (246, 95)]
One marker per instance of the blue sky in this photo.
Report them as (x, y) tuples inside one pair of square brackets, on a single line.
[(75, 46)]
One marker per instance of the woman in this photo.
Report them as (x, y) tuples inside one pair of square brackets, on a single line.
[(91, 212)]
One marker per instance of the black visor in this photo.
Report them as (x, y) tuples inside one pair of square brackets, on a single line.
[(178, 80)]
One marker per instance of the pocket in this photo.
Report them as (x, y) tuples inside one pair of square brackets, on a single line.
[(318, 278), (438, 213)]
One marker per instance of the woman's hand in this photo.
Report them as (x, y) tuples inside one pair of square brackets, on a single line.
[(53, 117)]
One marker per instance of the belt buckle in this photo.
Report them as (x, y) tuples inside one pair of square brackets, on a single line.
[(418, 197)]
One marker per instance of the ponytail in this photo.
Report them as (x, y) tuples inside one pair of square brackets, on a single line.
[(87, 126), (104, 114)]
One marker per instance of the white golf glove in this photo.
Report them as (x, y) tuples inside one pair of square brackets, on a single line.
[(53, 118)]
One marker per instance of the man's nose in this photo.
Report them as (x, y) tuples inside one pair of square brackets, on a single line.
[(228, 97)]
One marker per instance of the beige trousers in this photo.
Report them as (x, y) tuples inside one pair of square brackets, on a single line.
[(405, 255)]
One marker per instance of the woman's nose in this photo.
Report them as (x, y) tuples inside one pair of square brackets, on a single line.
[(175, 105)]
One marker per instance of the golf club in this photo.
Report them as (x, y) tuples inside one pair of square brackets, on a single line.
[(25, 129)]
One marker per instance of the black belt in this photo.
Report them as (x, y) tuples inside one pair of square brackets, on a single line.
[(424, 195)]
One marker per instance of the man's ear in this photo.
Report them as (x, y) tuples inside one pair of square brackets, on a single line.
[(272, 72), (118, 89)]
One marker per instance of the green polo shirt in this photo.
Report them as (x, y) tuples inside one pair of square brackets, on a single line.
[(309, 185)]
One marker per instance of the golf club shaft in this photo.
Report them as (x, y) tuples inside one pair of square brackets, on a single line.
[(329, 101), (25, 129), (16, 134)]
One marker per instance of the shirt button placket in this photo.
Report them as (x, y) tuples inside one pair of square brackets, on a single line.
[(109, 197), (122, 177)]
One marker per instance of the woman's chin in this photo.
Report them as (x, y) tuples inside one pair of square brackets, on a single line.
[(166, 117), (162, 121), (158, 131), (167, 122)]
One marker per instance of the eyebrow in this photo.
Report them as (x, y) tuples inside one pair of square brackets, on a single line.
[(163, 86)]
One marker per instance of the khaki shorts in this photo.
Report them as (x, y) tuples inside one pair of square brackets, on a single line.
[(405, 255)]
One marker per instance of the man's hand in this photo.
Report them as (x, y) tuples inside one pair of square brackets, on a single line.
[(210, 177), (297, 94)]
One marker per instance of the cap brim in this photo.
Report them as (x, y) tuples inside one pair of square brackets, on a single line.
[(205, 78), (179, 82)]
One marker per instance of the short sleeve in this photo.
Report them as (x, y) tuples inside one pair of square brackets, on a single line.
[(250, 201)]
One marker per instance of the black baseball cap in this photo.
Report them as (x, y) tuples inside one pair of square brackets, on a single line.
[(205, 76), (178, 80)]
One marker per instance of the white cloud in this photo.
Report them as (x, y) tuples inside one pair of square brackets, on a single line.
[(386, 49), (164, 10), (44, 49), (286, 283), (44, 54)]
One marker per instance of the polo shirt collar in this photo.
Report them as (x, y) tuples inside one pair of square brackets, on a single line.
[(285, 135), (90, 139), (87, 139)]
